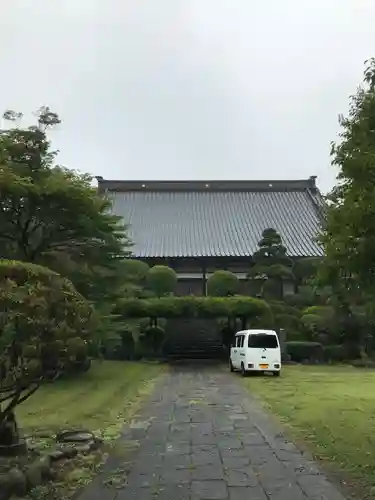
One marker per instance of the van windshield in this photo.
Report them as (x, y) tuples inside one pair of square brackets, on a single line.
[(262, 341)]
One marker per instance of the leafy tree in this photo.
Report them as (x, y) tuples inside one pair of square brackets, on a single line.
[(222, 284), (349, 233), (271, 264), (287, 318), (161, 280), (52, 216), (306, 269), (44, 329)]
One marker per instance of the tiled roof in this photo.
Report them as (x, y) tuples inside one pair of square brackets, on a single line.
[(217, 220)]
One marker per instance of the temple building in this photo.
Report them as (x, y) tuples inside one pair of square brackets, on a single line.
[(197, 227)]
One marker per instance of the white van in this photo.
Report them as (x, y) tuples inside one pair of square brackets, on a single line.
[(255, 351)]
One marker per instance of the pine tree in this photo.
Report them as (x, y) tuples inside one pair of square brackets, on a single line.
[(271, 265)]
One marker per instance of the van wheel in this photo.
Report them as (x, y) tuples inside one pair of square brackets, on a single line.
[(231, 366), (276, 374), (243, 371)]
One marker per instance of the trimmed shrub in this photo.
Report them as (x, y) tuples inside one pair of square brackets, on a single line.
[(334, 353), (203, 307), (136, 271), (288, 322), (304, 351), (222, 284), (161, 280), (295, 335), (325, 312)]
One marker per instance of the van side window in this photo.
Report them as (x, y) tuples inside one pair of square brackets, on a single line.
[(242, 340)]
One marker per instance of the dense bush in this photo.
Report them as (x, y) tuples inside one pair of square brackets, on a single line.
[(335, 353), (363, 363), (304, 351), (120, 346)]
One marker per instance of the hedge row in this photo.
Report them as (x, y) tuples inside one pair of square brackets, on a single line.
[(191, 306), (315, 351)]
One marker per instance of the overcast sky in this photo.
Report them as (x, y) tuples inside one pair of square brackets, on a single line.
[(188, 89)]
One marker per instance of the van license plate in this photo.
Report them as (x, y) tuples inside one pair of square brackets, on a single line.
[(263, 367)]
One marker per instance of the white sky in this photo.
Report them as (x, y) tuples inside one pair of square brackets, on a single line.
[(188, 89)]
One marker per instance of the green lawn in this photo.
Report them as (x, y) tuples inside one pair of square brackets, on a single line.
[(93, 400), (101, 400), (332, 410)]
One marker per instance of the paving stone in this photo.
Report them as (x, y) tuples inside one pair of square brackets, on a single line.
[(207, 472), (97, 491), (301, 466), (245, 493), (244, 476), (241, 453), (158, 428), (277, 486), (230, 444), (202, 437), (205, 458), (175, 476), (130, 493), (223, 425), (253, 439), (260, 455), (161, 492), (289, 492), (146, 457), (177, 448), (202, 428), (318, 488), (209, 490), (175, 492), (146, 467), (181, 417), (177, 461), (152, 447), (137, 480)]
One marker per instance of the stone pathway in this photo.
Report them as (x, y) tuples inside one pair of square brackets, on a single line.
[(202, 437)]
